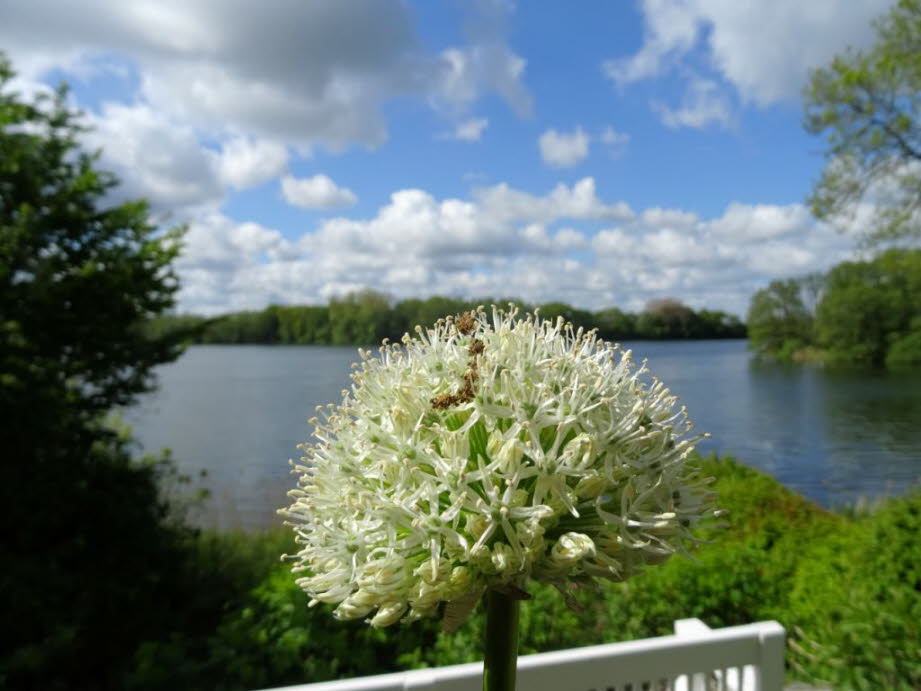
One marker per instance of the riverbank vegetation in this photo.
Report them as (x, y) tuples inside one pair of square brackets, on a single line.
[(859, 312), (844, 585), (368, 317)]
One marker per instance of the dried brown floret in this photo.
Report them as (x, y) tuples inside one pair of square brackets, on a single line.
[(444, 400), (465, 323)]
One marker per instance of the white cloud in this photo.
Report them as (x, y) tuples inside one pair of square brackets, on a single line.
[(502, 204), (307, 74), (566, 244), (671, 30), (465, 73), (764, 50), (246, 163), (471, 130), (745, 222), (613, 241), (670, 218), (669, 247), (317, 192), (154, 157), (703, 104), (615, 141), (563, 149)]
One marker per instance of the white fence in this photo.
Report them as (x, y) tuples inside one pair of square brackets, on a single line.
[(696, 658)]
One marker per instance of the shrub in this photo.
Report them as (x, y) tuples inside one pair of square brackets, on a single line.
[(906, 351), (856, 602)]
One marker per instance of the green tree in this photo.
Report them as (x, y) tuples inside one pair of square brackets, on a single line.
[(778, 321), (719, 324), (868, 107), (91, 562), (614, 324), (413, 312), (244, 327), (869, 306), (361, 318), (666, 318), (303, 324), (573, 315)]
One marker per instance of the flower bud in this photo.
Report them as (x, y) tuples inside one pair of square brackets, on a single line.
[(509, 455), (349, 609), (591, 486), (402, 421), (477, 525), (388, 614), (572, 547), (578, 452), (460, 582)]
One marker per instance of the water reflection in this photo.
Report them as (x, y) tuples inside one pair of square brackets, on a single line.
[(871, 421), (833, 435)]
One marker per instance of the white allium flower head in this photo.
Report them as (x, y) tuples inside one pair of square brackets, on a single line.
[(490, 449)]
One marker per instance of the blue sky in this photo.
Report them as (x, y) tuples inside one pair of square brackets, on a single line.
[(600, 153)]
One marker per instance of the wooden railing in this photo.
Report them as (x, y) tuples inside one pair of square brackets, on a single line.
[(695, 658)]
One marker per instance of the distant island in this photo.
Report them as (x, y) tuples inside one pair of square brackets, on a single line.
[(368, 317)]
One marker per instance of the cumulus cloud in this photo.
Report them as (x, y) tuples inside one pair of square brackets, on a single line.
[(471, 130), (563, 149), (502, 204), (755, 222), (671, 30), (317, 192), (246, 162), (703, 104), (464, 73), (566, 244), (307, 74), (154, 157), (764, 50)]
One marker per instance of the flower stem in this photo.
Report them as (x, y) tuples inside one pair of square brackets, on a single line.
[(501, 659)]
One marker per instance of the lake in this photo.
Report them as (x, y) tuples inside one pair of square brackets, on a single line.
[(238, 413)]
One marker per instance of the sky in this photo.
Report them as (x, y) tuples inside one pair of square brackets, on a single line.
[(600, 153)]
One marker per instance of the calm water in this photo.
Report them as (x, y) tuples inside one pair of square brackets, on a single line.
[(238, 412)]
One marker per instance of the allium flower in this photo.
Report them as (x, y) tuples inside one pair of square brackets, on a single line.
[(486, 451)]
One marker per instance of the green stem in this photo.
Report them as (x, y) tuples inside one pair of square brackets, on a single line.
[(501, 659)]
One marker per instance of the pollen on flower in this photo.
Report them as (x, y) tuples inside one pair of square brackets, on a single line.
[(484, 452)]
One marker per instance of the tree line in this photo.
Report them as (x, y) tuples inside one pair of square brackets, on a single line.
[(860, 312), (368, 317)]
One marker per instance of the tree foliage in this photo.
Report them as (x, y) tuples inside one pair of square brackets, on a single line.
[(93, 563), (870, 306), (366, 318), (861, 312), (78, 280), (778, 320), (868, 107)]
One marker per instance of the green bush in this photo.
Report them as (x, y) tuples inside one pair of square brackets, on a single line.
[(845, 587), (906, 351), (856, 602)]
